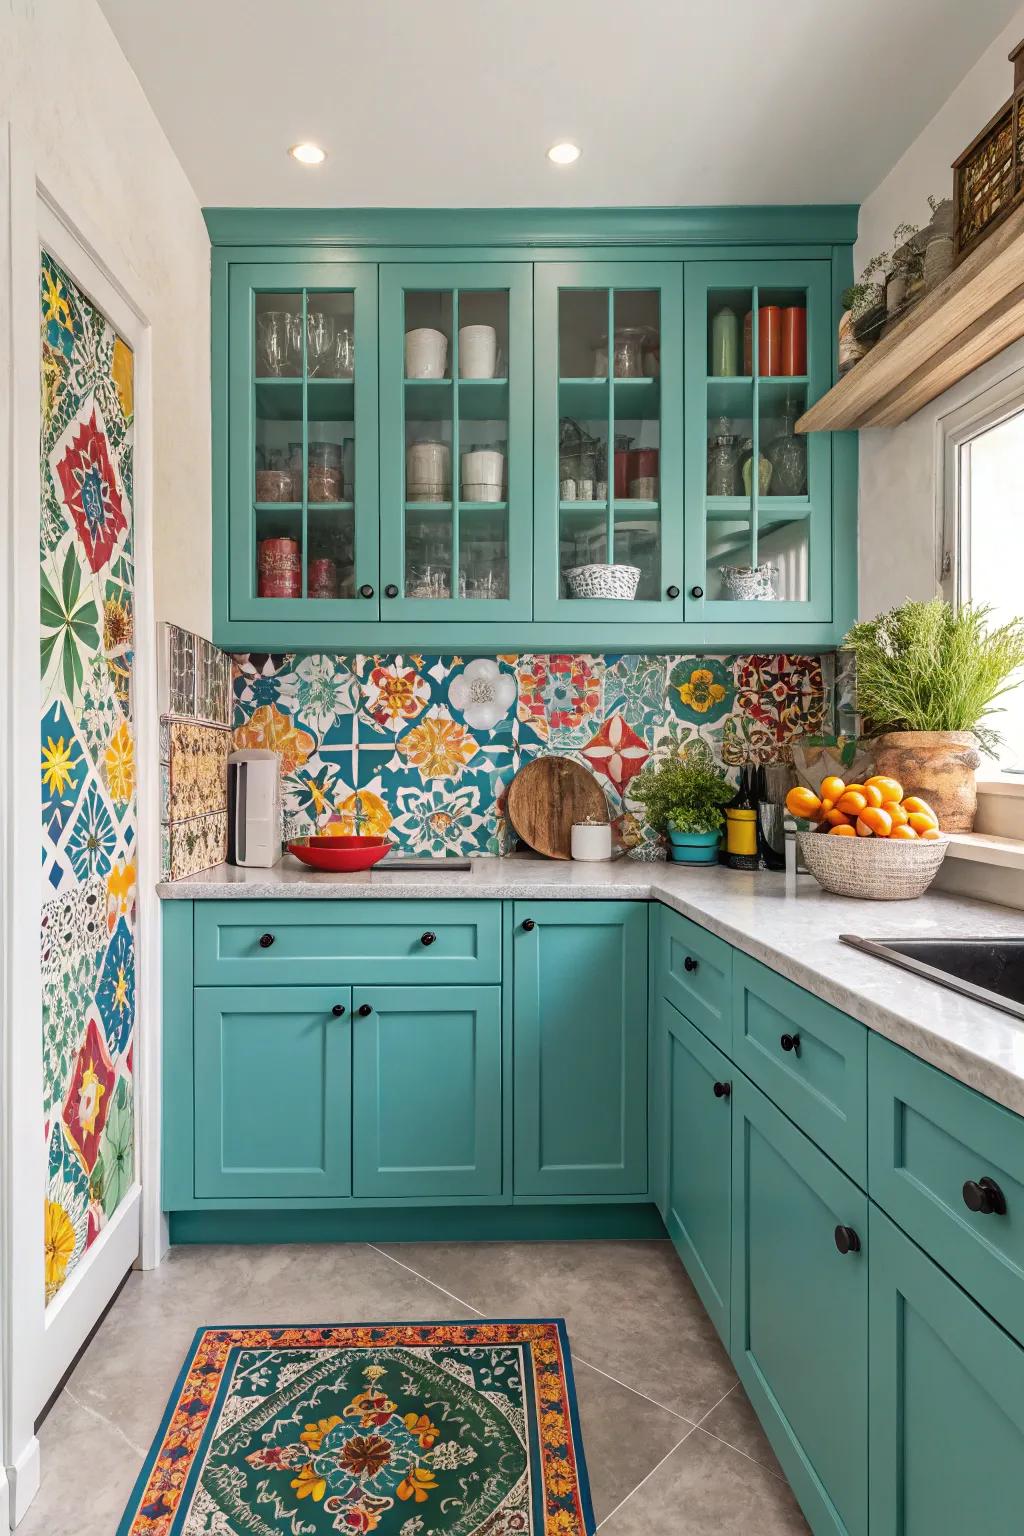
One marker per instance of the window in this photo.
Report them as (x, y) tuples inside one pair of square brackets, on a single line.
[(983, 559)]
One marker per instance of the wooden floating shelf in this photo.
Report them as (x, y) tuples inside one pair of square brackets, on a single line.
[(974, 313)]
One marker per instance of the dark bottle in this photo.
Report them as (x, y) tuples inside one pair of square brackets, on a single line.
[(740, 850)]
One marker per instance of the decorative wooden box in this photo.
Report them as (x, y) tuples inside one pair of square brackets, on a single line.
[(988, 178)]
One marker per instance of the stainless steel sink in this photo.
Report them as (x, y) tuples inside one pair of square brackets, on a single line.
[(989, 970)]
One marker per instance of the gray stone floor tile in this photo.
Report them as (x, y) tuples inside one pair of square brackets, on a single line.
[(629, 1307), (705, 1488), (735, 1422), (624, 1436)]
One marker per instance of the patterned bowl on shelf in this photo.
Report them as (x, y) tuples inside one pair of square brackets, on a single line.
[(746, 584), (874, 868), (603, 581)]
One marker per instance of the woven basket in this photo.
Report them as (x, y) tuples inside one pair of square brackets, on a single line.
[(603, 581), (874, 868)]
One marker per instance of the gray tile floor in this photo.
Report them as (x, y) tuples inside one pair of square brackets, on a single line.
[(671, 1442)]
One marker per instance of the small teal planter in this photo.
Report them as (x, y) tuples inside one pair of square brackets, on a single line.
[(693, 847)]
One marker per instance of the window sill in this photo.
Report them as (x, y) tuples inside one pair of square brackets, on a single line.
[(983, 848)]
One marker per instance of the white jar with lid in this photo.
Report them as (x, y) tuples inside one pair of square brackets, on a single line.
[(591, 841)]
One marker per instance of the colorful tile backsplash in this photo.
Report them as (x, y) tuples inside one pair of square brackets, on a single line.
[(194, 683), (423, 747)]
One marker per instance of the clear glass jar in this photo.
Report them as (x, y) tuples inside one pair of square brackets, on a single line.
[(723, 466), (787, 454)]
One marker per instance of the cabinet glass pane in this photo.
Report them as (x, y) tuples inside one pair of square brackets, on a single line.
[(305, 434), (609, 501), (757, 493), (456, 395)]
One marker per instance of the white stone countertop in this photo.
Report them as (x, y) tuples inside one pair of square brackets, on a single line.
[(797, 935)]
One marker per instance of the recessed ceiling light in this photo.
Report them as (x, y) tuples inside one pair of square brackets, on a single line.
[(308, 154), (564, 154)]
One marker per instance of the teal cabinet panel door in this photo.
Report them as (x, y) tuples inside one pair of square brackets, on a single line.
[(800, 1309), (695, 972), (947, 1402), (302, 463), (934, 1145), (273, 1089), (698, 1211), (454, 547), (609, 445), (808, 1057), (580, 1044), (275, 943), (743, 395), (426, 1107)]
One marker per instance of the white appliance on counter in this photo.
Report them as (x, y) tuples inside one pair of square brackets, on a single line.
[(254, 809)]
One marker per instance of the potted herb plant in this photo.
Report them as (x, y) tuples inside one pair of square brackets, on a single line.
[(928, 678), (683, 798)]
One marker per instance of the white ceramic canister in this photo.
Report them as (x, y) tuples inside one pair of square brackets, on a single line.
[(428, 464), (591, 841), (483, 466), (426, 354), (478, 351)]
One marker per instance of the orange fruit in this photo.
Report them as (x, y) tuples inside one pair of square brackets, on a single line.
[(873, 819), (899, 814), (902, 833), (930, 835), (803, 802), (837, 819), (873, 794), (891, 789), (922, 822), (852, 802), (915, 803), (832, 787), (842, 831)]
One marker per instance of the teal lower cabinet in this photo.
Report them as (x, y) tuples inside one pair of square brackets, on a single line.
[(580, 1047), (272, 1088), (698, 1156), (947, 1402), (426, 1100), (800, 1309)]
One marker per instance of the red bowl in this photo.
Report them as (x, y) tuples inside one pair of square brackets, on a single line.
[(341, 854)]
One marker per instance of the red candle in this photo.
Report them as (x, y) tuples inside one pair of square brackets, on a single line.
[(280, 569), (794, 340), (769, 341)]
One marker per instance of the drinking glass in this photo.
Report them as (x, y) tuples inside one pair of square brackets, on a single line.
[(320, 343), (276, 334)]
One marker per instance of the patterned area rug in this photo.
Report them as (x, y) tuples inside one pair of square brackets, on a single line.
[(406, 1429)]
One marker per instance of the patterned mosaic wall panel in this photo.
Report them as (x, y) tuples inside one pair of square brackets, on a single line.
[(423, 747), (195, 739), (87, 770)]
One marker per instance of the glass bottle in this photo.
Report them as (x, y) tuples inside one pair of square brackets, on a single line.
[(723, 479), (787, 454)]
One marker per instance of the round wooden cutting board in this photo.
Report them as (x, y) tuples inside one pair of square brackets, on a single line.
[(544, 799)]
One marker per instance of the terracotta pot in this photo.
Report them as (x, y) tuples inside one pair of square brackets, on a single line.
[(937, 765)]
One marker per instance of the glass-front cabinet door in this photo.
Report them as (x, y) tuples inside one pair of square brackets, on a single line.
[(758, 494), (456, 459), (608, 484), (302, 348)]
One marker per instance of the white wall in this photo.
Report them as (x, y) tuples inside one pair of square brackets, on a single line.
[(899, 522), (80, 114)]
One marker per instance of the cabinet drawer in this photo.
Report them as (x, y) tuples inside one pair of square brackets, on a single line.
[(807, 1056), (695, 973), (319, 943), (929, 1136)]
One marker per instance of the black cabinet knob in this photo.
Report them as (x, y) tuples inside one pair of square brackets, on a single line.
[(984, 1197), (723, 1090), (847, 1240), (790, 1043), (366, 590), (266, 939), (390, 590), (696, 591), (671, 591), (529, 924), (364, 1010), (689, 964), (428, 938), (338, 1010)]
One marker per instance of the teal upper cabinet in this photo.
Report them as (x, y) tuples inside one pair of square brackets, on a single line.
[(456, 441), (608, 502), (528, 430), (758, 352), (300, 541)]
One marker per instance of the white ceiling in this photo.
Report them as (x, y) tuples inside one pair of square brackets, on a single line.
[(454, 102)]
